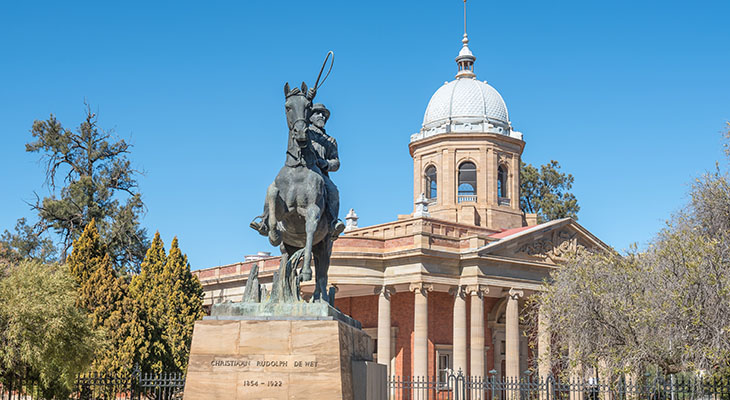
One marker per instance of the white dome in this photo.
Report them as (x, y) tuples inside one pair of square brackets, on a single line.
[(466, 105), (465, 100)]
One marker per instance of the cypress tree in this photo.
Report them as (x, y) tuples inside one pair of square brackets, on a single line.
[(184, 305), (148, 291), (103, 296)]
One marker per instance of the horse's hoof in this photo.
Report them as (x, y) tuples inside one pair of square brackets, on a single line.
[(306, 276)]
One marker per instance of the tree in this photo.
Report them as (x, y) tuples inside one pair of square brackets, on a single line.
[(148, 291), (668, 306), (97, 175), (43, 335), (545, 192), (103, 296), (184, 305), (25, 243), (170, 297)]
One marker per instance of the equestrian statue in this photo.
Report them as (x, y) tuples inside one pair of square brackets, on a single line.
[(302, 204)]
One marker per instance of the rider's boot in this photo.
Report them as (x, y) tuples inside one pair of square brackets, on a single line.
[(274, 237), (337, 228)]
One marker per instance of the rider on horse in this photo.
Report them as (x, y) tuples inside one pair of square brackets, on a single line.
[(328, 161)]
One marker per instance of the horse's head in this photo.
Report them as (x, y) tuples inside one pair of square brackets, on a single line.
[(298, 111)]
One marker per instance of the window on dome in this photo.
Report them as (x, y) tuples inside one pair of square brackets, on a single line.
[(431, 187), (501, 182), (467, 182), (502, 194)]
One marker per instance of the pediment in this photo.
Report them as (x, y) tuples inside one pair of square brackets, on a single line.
[(550, 242)]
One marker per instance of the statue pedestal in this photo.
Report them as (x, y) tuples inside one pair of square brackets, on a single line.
[(275, 357)]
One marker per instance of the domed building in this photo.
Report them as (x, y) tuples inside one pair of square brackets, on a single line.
[(466, 156), (442, 288)]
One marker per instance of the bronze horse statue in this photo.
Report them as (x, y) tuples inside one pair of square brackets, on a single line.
[(296, 200)]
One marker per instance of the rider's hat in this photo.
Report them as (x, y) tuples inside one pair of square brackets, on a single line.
[(320, 107)]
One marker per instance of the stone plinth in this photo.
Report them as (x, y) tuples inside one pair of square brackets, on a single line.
[(245, 358), (270, 311)]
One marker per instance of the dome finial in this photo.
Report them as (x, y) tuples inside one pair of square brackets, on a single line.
[(464, 18), (465, 59)]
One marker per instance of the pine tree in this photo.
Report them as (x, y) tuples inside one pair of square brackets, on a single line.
[(545, 192), (148, 291), (103, 296), (184, 305), (99, 183)]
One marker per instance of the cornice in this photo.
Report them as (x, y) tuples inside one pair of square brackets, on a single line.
[(451, 136)]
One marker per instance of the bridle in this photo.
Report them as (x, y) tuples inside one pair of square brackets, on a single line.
[(295, 122)]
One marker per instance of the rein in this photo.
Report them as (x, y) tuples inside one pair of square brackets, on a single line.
[(295, 122)]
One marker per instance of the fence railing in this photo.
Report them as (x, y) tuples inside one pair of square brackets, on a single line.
[(453, 386), (464, 198), (134, 385), (459, 387)]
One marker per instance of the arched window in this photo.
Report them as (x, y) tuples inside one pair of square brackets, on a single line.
[(467, 182), (431, 187), (502, 182)]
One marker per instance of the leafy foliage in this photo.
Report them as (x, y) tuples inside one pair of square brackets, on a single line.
[(183, 307), (25, 243), (170, 297), (103, 296), (42, 333), (96, 175), (667, 307), (545, 192), (146, 289)]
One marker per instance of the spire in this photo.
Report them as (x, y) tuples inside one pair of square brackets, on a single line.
[(465, 59)]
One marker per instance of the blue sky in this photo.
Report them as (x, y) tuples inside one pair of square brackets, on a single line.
[(629, 96)]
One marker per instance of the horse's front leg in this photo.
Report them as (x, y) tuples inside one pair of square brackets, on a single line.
[(313, 213), (272, 194)]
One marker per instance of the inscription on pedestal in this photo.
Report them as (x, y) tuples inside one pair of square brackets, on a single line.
[(263, 363), (274, 360)]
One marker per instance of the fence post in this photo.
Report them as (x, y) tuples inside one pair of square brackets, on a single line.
[(135, 382), (549, 387)]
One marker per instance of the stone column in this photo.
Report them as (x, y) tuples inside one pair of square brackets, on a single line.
[(420, 328), (459, 335), (476, 329), (543, 345), (384, 293), (512, 335)]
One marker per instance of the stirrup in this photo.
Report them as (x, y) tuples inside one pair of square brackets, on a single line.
[(259, 227)]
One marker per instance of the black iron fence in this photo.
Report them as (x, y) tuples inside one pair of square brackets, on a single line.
[(135, 385), (454, 386), (458, 387)]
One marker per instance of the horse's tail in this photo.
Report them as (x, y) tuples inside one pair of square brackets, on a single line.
[(286, 281), (293, 264)]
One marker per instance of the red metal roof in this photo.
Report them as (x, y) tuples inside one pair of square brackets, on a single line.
[(509, 232)]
